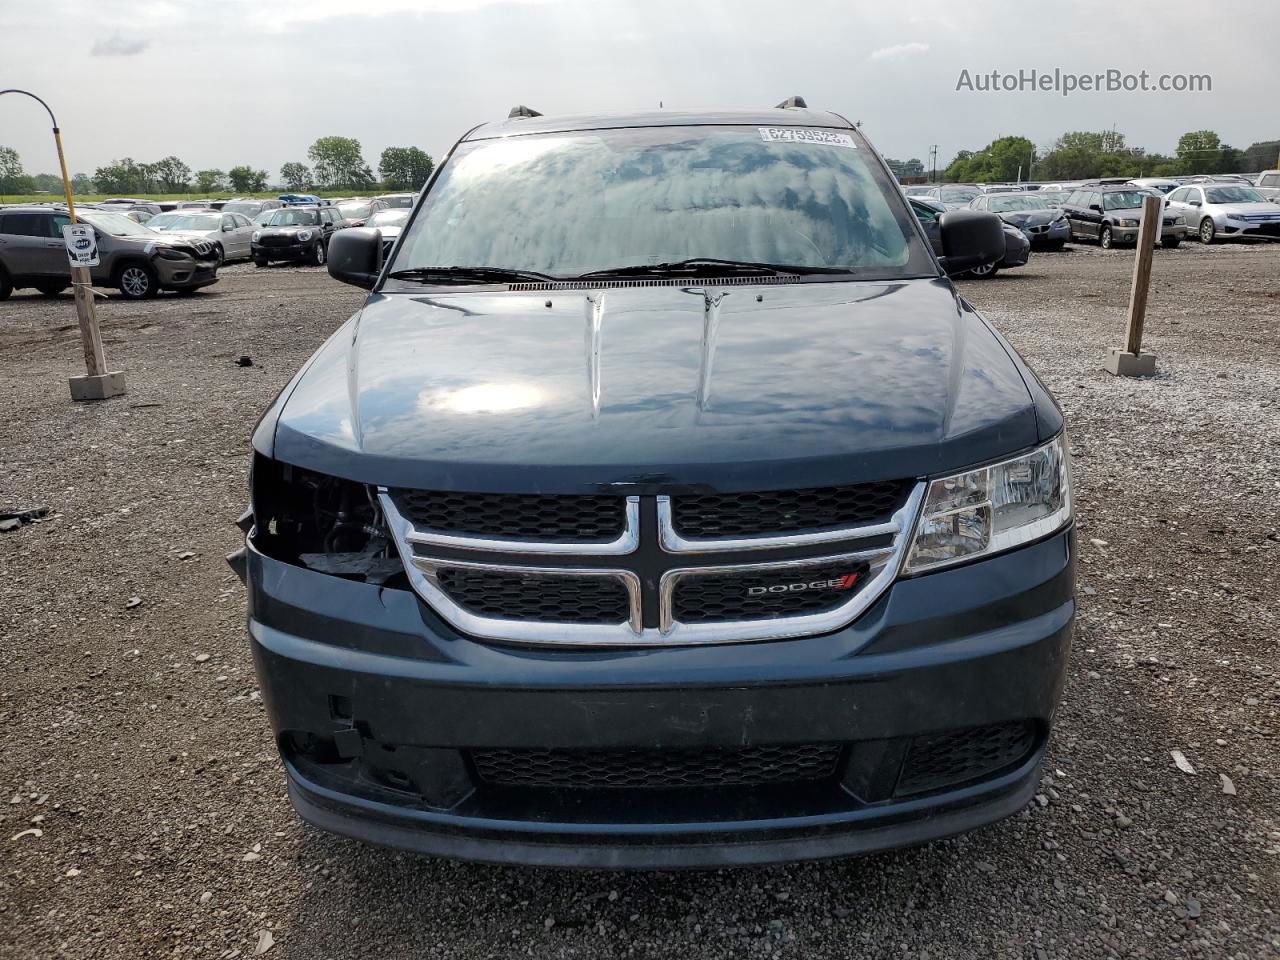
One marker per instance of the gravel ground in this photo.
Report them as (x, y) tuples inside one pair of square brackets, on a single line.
[(144, 812)]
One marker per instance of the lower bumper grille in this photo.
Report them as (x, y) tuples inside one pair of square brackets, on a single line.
[(950, 759), (657, 768)]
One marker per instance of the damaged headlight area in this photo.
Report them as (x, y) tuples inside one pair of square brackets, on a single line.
[(994, 508), (323, 523)]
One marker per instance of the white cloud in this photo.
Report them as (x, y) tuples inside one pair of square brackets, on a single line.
[(118, 46), (899, 50)]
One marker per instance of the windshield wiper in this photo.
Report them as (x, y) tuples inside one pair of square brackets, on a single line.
[(467, 275), (708, 265)]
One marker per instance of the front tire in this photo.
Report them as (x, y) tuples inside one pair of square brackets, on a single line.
[(137, 281), (6, 285), (51, 289), (318, 255), (259, 262), (1208, 232), (985, 272), (1105, 240), (1171, 243), (219, 256)]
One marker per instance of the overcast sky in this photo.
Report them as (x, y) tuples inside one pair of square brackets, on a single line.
[(242, 81)]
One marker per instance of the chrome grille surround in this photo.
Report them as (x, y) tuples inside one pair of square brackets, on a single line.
[(426, 553)]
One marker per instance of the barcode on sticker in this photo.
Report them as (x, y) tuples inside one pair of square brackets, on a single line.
[(806, 135)]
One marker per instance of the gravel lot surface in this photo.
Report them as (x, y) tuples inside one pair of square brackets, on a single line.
[(144, 812)]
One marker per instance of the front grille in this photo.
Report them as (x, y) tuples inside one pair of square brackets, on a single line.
[(720, 515), (560, 519), (950, 759), (546, 599), (754, 766), (787, 592), (277, 240)]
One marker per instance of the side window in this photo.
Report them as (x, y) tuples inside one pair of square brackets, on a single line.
[(242, 220), (57, 222), (1073, 198), (925, 213), (26, 225), (1175, 196), (1194, 193), (1270, 180), (1095, 198), (229, 222)]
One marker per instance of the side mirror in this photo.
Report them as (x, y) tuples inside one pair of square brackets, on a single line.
[(970, 239), (1096, 206), (1194, 203), (355, 256), (228, 227)]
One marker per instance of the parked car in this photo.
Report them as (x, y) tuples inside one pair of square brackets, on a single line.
[(722, 532), (358, 209), (954, 196), (194, 205), (144, 209), (230, 233), (1269, 185), (295, 233), (302, 200), (389, 222), (1054, 198), (250, 207), (1045, 225), (1017, 248), (399, 199), (1220, 211), (1159, 185), (135, 259), (1112, 215), (1003, 188)]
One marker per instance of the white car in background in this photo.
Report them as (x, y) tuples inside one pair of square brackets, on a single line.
[(1222, 211), (230, 233), (1157, 184), (389, 222)]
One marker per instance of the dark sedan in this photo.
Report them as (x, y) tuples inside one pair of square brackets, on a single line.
[(1044, 225), (298, 234), (1017, 248)]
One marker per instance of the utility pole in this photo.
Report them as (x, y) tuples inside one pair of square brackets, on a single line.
[(98, 383), (933, 162)]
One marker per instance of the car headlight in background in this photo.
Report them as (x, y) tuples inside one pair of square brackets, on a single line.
[(993, 508), (257, 235), (1128, 223), (1180, 222), (304, 236), (168, 253), (1060, 218)]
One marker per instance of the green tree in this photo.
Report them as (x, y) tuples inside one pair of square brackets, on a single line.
[(1001, 159), (208, 181), (244, 179), (296, 176), (12, 178), (404, 168), (1263, 155), (339, 165), (1199, 151), (83, 183), (121, 176), (171, 175)]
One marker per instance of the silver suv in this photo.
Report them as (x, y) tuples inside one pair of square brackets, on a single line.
[(137, 260)]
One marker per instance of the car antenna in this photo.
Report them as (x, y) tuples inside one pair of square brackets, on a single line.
[(790, 102), (521, 111)]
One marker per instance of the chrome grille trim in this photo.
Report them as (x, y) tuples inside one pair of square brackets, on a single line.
[(696, 283), (884, 561), (623, 544), (673, 542)]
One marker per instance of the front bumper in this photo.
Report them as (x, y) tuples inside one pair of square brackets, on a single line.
[(1130, 234), (185, 275), (380, 711), (1230, 227), (292, 251), (1047, 234)]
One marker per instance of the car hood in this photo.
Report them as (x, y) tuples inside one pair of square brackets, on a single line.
[(655, 389), (1245, 209), (190, 235), (1030, 218)]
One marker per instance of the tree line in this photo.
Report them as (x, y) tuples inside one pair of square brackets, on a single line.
[(1082, 155), (336, 163)]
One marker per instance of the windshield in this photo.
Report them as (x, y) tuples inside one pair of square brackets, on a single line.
[(247, 207), (566, 204), (1123, 199), (292, 218), (354, 211), (1007, 204), (958, 194), (115, 224), (185, 221), (388, 218), (1234, 195)]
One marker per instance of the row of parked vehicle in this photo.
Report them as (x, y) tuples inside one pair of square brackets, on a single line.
[(1109, 211), (144, 248)]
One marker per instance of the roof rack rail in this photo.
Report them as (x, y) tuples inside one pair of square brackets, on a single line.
[(522, 111), (797, 102)]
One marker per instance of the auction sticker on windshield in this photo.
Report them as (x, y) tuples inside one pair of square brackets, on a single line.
[(806, 135)]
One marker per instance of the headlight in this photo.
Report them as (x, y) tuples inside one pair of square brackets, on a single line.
[(1128, 223), (304, 236), (1060, 218), (1180, 221), (168, 253), (993, 508), (257, 235)]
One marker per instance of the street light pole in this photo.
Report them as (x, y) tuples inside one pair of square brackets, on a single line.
[(98, 383)]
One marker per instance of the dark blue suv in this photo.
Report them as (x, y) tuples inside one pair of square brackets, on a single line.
[(663, 505)]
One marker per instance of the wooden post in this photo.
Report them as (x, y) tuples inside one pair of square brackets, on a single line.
[(1131, 362), (95, 361)]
